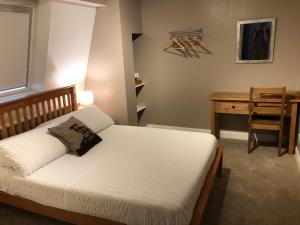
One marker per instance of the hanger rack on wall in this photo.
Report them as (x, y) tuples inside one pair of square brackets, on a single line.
[(187, 43)]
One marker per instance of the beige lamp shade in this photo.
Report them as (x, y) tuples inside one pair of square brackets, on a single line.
[(86, 98)]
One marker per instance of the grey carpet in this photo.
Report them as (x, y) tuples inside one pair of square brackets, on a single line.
[(256, 189)]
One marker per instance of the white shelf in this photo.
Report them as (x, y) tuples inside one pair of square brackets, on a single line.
[(140, 85), (140, 108)]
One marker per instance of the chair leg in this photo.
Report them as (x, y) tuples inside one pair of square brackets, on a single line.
[(220, 167), (279, 143), (249, 140), (255, 140)]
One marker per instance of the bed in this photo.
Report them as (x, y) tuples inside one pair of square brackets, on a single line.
[(138, 179)]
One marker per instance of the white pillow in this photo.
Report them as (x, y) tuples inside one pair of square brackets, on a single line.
[(92, 116), (28, 152), (7, 172)]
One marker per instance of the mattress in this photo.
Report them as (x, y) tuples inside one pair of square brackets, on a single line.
[(136, 176)]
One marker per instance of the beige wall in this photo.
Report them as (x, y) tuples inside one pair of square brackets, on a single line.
[(71, 30), (63, 43), (178, 89), (105, 75), (40, 50), (130, 11), (111, 70)]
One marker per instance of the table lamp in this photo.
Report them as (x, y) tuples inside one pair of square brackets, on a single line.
[(86, 98)]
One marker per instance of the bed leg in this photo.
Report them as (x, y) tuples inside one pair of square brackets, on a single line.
[(220, 167)]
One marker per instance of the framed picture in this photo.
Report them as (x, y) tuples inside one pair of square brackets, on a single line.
[(255, 41)]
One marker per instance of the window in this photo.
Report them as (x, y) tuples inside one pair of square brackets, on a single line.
[(15, 38)]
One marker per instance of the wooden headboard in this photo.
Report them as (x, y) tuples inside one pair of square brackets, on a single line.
[(26, 113)]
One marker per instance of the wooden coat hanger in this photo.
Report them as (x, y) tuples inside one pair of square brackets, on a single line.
[(187, 43)]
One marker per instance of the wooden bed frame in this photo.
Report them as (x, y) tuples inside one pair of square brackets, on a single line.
[(24, 114)]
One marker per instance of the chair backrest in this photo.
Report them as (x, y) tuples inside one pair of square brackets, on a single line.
[(267, 102)]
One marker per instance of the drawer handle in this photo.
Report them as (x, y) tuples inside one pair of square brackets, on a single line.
[(233, 107)]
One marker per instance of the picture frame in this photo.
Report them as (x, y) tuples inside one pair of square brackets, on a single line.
[(255, 41)]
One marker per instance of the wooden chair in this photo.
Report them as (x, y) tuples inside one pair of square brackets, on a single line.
[(267, 107)]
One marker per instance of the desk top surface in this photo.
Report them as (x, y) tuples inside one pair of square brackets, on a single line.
[(245, 96)]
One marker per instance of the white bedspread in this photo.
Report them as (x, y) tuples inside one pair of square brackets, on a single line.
[(136, 176)]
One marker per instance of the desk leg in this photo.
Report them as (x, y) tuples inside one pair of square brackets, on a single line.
[(293, 126), (214, 120)]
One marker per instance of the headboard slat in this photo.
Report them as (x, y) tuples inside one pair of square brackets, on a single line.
[(38, 114), (69, 103), (19, 122), (32, 117), (11, 123), (3, 125), (54, 107), (26, 118), (26, 113), (64, 105), (60, 106), (49, 109), (44, 111)]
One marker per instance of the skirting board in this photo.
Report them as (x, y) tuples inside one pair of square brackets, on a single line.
[(227, 134)]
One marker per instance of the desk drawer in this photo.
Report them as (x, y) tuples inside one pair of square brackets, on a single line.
[(232, 107)]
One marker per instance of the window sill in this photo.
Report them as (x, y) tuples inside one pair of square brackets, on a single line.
[(13, 97)]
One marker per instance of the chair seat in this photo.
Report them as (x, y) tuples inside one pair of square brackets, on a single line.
[(260, 124)]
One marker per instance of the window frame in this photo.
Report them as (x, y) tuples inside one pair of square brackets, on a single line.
[(27, 5)]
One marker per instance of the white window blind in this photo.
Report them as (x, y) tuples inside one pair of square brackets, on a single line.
[(15, 32)]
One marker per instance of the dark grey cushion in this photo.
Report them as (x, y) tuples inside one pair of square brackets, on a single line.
[(76, 136)]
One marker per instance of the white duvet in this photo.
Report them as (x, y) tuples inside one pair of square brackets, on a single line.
[(136, 176)]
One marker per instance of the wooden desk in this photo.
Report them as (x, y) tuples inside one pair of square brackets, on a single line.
[(238, 103)]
